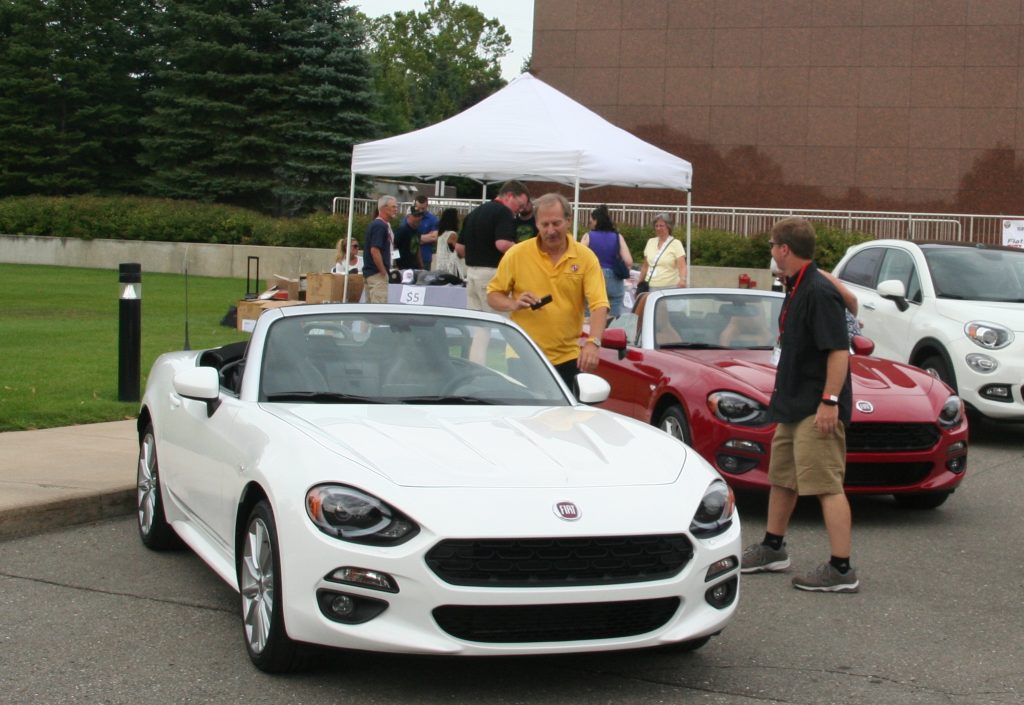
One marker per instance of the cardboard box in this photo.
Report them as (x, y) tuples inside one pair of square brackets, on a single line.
[(326, 287), (294, 287), (248, 310)]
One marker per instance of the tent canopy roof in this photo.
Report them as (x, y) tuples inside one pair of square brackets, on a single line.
[(529, 131)]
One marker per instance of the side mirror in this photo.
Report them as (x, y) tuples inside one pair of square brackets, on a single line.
[(862, 345), (199, 384), (615, 339), (592, 389), (894, 290)]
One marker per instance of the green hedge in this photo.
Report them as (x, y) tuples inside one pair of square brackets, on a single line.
[(165, 220), (133, 218)]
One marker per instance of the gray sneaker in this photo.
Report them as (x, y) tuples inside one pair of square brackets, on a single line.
[(825, 578), (758, 558)]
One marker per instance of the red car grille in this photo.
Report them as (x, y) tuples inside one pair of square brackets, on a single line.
[(519, 624), (547, 562), (880, 437)]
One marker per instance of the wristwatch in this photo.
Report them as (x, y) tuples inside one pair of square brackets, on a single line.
[(595, 341), (829, 399)]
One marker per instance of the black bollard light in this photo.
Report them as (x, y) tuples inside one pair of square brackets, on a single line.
[(130, 332)]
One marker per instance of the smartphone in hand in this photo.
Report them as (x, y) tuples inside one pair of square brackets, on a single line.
[(543, 302)]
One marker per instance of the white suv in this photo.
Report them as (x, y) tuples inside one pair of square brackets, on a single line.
[(953, 309)]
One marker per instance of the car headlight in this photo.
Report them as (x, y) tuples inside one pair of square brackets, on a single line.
[(714, 514), (952, 412), (990, 336), (348, 514), (738, 409)]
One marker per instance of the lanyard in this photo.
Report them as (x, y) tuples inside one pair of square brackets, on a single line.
[(789, 299)]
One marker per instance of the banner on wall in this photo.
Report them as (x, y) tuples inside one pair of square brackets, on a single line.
[(1013, 233)]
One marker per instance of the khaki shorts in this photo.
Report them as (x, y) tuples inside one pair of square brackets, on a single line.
[(477, 279), (376, 289), (807, 461)]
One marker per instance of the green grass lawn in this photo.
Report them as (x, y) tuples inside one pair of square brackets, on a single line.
[(59, 338)]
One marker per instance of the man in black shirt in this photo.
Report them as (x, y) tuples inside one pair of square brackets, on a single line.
[(811, 404), (407, 241), (487, 232)]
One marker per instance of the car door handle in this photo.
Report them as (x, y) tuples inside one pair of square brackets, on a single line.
[(175, 400), (870, 306)]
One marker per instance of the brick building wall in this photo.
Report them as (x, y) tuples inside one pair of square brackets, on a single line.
[(868, 104)]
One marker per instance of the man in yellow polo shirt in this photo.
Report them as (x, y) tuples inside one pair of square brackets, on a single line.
[(554, 265)]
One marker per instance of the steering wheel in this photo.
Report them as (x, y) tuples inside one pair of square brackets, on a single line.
[(461, 381), (231, 374)]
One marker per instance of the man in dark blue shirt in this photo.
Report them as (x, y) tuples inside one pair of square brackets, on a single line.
[(811, 404), (378, 246)]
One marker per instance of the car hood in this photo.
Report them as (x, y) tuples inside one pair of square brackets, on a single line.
[(869, 375), (480, 446), (749, 368), (1008, 314)]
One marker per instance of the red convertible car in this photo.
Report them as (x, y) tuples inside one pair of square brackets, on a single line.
[(697, 364)]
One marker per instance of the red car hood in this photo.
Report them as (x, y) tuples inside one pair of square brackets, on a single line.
[(872, 377)]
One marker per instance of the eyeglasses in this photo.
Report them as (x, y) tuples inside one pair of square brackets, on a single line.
[(774, 244)]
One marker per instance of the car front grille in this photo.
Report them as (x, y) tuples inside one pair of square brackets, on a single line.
[(885, 474), (880, 437), (519, 624), (558, 562)]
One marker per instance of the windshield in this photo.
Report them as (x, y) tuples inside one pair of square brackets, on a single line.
[(720, 320), (358, 358), (976, 274), (706, 321)]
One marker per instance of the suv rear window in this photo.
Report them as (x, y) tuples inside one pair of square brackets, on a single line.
[(862, 268)]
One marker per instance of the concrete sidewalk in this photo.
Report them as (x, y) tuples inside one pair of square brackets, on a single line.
[(57, 477)]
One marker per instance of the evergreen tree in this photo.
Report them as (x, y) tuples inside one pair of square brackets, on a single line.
[(326, 106), (71, 88), (256, 104)]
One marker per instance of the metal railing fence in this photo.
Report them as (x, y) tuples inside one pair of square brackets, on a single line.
[(751, 221)]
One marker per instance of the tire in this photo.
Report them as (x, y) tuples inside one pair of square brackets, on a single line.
[(923, 500), (936, 366), (154, 531), (259, 571), (673, 422)]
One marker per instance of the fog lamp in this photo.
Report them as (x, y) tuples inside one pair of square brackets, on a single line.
[(722, 595), (996, 392), (342, 606), (735, 464), (348, 609), (957, 465)]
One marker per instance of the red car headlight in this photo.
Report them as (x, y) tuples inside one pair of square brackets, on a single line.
[(735, 408)]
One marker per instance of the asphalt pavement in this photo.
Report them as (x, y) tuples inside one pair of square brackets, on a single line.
[(59, 477)]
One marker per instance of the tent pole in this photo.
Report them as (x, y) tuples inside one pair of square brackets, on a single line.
[(576, 206), (689, 252), (348, 235)]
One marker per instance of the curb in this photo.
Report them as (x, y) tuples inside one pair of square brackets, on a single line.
[(66, 513)]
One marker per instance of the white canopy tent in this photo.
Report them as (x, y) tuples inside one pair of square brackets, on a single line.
[(528, 131)]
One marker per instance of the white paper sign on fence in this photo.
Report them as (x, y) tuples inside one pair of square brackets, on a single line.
[(1013, 233)]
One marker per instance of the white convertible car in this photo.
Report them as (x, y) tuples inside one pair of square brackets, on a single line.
[(414, 479)]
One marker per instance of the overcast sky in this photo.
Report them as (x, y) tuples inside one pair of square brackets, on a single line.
[(515, 15)]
